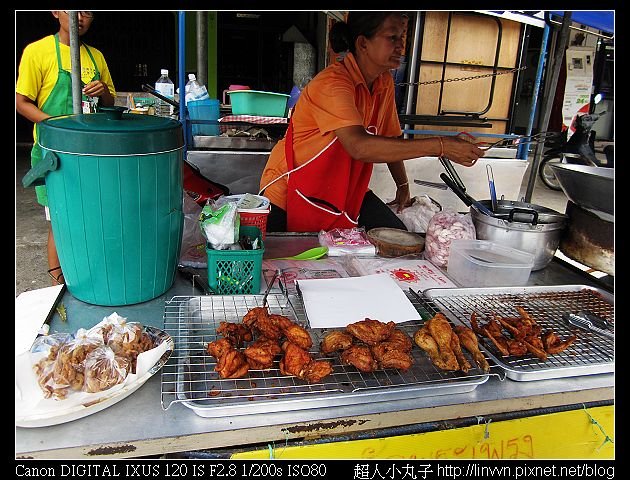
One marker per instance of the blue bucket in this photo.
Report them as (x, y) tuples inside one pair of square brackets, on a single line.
[(207, 109)]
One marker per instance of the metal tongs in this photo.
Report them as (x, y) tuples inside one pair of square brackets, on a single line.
[(518, 140), (591, 322), (269, 286)]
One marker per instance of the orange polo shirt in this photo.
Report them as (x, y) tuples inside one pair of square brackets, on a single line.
[(336, 97)]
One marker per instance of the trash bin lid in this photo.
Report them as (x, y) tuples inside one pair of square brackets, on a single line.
[(110, 132)]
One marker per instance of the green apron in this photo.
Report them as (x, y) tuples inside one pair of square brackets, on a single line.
[(59, 102)]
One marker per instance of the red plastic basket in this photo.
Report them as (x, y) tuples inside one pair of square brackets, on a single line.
[(255, 218)]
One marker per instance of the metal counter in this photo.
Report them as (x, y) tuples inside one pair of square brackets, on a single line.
[(138, 426)]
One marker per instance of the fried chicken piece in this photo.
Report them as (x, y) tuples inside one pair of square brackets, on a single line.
[(474, 324), (533, 348), (515, 326), (516, 347), (520, 327), (427, 343), (440, 329), (468, 339), (401, 339), (536, 341), (464, 364), (395, 359), (219, 347), (492, 331), (298, 335), (371, 331), (254, 314), (553, 344), (237, 333), (281, 321), (336, 340), (232, 364), (494, 328), (526, 316), (361, 357), (295, 360), (498, 340), (261, 353), (266, 327), (316, 370)]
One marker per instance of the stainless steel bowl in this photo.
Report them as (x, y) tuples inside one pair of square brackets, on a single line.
[(586, 186)]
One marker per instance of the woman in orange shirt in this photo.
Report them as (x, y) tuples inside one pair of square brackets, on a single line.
[(345, 120)]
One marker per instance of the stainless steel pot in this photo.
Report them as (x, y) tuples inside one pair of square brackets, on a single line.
[(524, 226)]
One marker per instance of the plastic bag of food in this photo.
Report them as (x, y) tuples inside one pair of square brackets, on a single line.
[(443, 228), (70, 362), (417, 216), (127, 339), (220, 225), (48, 347), (346, 241), (104, 369)]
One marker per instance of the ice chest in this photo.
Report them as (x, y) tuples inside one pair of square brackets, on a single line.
[(481, 263), (207, 109), (114, 183), (254, 102)]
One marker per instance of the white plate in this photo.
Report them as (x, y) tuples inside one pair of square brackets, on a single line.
[(83, 410)]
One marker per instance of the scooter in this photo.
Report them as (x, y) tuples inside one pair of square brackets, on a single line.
[(579, 149)]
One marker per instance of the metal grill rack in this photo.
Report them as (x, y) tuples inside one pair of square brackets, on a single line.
[(190, 377), (589, 354)]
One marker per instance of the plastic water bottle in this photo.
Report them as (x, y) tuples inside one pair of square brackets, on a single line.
[(164, 86), (194, 90), (192, 87)]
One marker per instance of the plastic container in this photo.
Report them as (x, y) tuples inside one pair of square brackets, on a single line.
[(256, 217), (481, 263), (114, 184), (254, 102), (204, 110), (236, 272), (165, 86)]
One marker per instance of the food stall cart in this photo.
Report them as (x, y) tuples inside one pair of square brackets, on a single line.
[(569, 417), (485, 416)]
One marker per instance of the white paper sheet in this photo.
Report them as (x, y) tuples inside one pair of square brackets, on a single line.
[(337, 302), (31, 310)]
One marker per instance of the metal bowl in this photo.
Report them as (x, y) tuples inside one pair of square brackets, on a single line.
[(586, 186)]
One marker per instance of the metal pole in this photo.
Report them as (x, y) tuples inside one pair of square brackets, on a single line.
[(181, 62), (202, 48), (75, 61), (563, 40), (523, 151), (412, 70)]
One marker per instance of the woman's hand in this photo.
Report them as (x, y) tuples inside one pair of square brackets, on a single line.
[(403, 198), (461, 151)]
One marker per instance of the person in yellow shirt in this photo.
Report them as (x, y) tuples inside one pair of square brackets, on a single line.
[(344, 121), (44, 89)]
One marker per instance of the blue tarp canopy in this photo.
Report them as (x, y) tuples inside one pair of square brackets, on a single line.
[(601, 20)]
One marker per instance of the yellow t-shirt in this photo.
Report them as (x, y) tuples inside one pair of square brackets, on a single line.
[(37, 73), (336, 97)]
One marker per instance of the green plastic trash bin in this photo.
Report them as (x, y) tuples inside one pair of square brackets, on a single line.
[(114, 183)]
